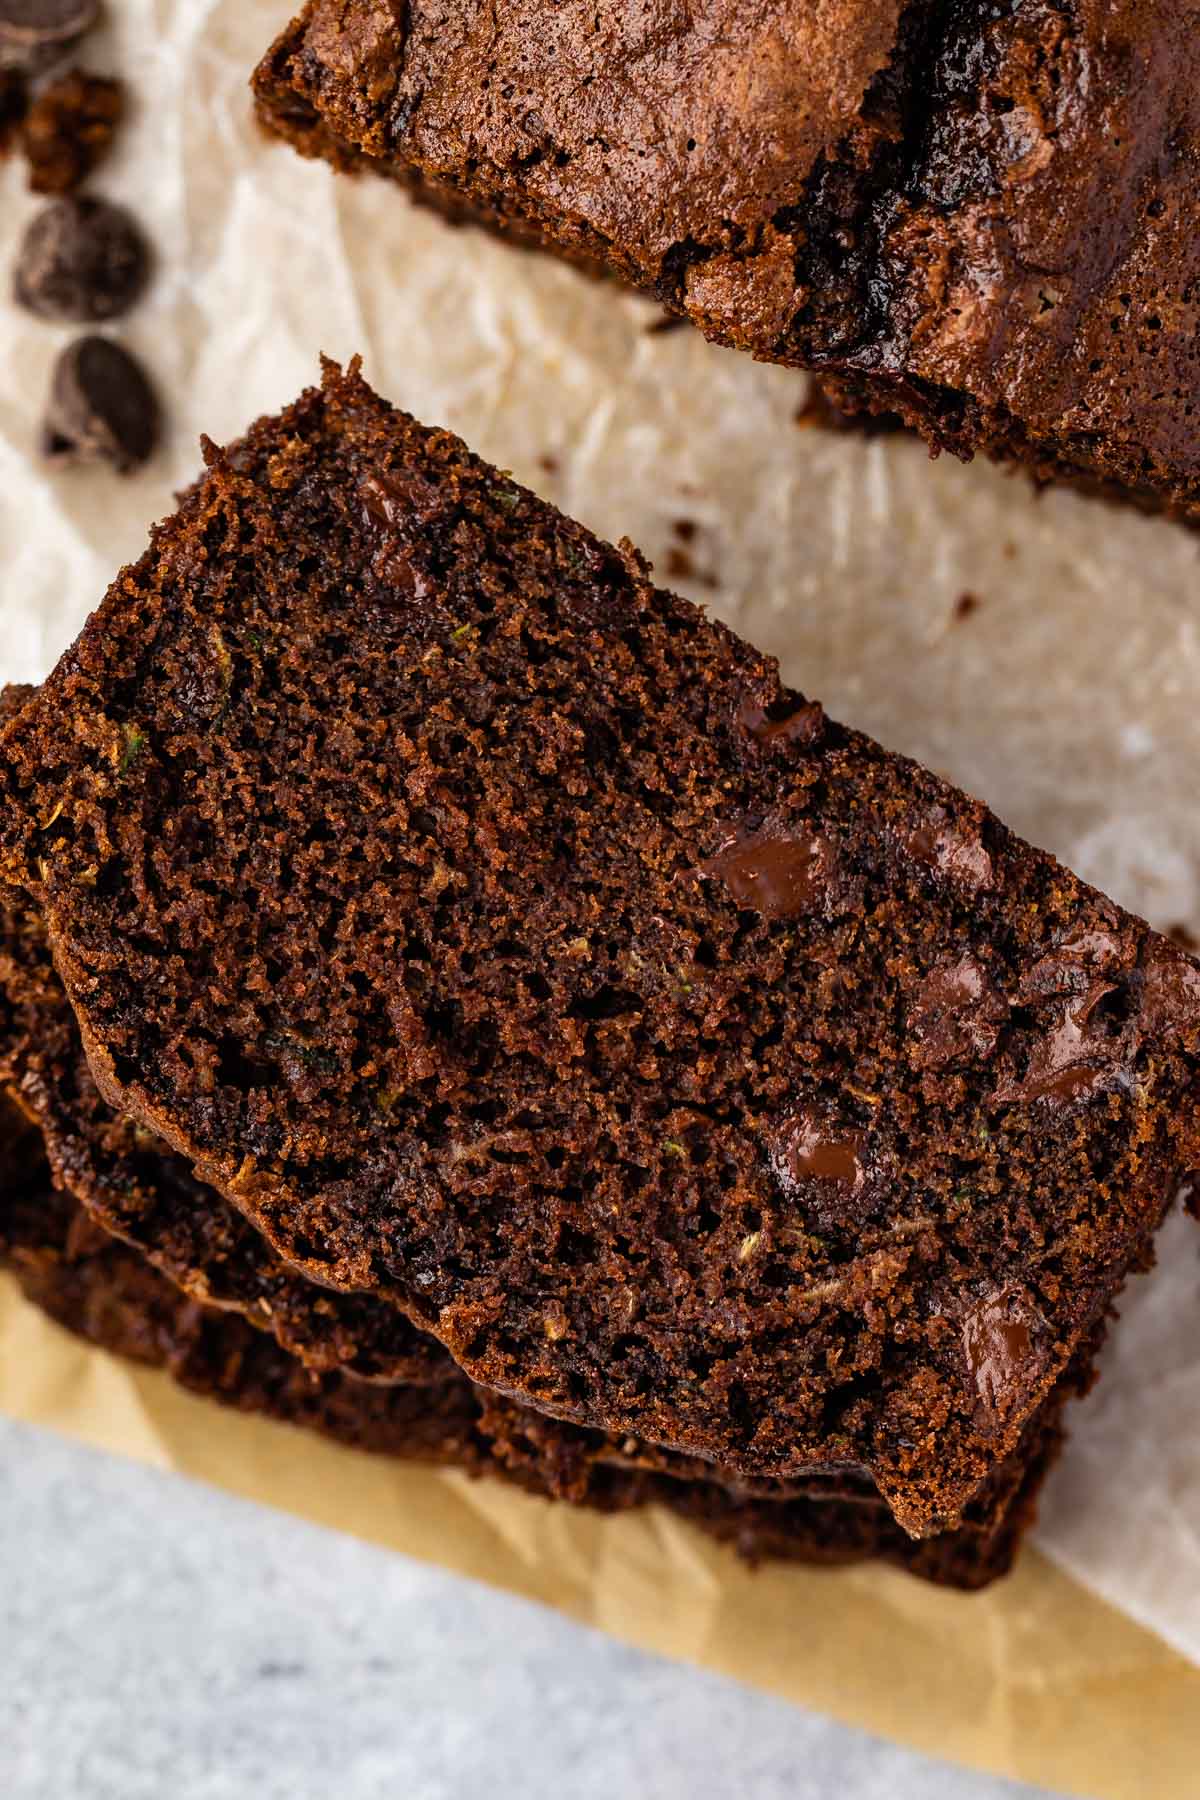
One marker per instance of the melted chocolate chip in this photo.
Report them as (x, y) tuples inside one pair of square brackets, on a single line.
[(396, 505), (1169, 997), (805, 725), (833, 1172), (1079, 1057), (399, 574), (1092, 945), (946, 845), (1001, 1356), (1073, 965), (956, 1014), (395, 498), (779, 877), (1061, 1086), (1091, 1049), (811, 1148)]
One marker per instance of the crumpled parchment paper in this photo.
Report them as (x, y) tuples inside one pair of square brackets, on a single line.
[(1043, 651)]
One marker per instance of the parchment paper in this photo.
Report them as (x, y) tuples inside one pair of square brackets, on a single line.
[(1063, 691)]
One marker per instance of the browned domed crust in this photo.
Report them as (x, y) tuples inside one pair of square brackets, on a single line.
[(983, 219), (505, 942), (644, 122)]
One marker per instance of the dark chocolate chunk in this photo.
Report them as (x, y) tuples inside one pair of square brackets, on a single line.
[(956, 1014), (1110, 996), (837, 1178), (1001, 1349), (953, 849), (1170, 990), (802, 724), (1079, 1058), (14, 103), (813, 1149), (81, 261), (69, 129), (102, 407), (773, 873), (34, 32)]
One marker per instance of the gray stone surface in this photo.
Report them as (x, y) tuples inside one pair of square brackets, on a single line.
[(160, 1641)]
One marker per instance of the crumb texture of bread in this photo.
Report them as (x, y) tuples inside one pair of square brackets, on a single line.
[(134, 1186), (103, 1292), (978, 217), (130, 1191), (505, 942)]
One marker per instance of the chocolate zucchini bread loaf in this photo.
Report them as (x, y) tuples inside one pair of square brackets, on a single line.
[(506, 943), (102, 1291), (979, 217)]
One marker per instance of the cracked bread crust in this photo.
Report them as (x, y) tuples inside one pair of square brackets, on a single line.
[(503, 940), (743, 101), (985, 227)]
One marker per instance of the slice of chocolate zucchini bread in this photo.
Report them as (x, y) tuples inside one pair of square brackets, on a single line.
[(505, 941), (979, 217), (102, 1291), (136, 1189)]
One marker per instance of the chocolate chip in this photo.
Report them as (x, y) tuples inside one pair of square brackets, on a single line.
[(14, 104), (1001, 1339), (833, 1173), (955, 1015), (810, 1148), (954, 847), (773, 873), (1169, 1000), (33, 32), (69, 129), (81, 261), (102, 407)]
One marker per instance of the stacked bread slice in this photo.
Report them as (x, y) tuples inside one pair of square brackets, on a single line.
[(455, 998)]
